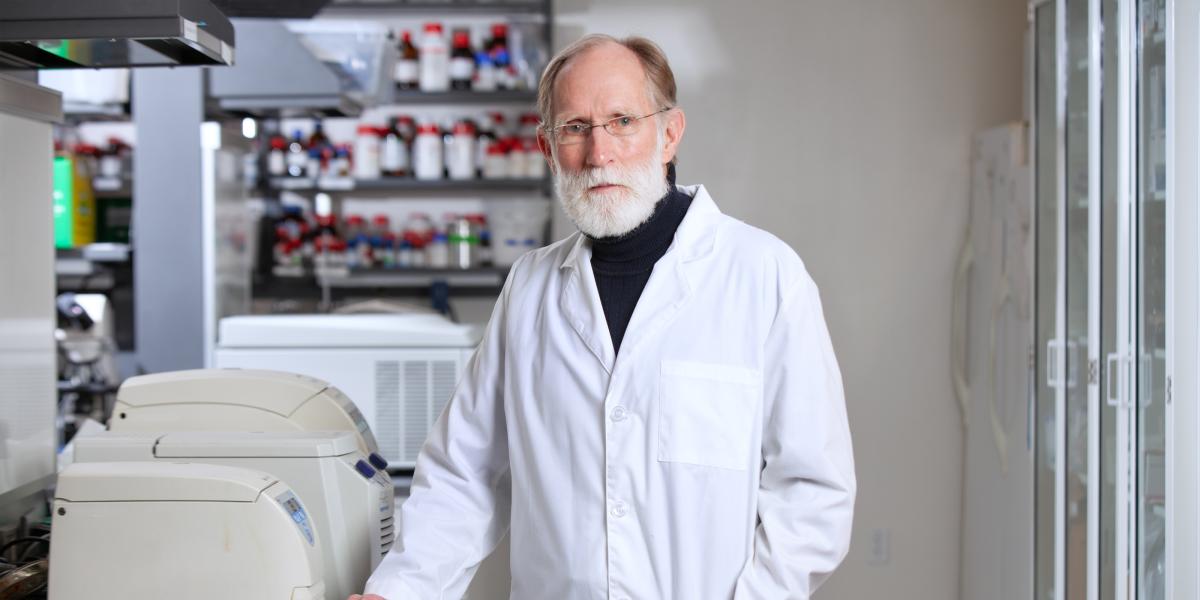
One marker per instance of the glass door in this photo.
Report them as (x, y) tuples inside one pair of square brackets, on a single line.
[(1048, 567), (1077, 429), (1110, 281), (1151, 529), (1100, 198)]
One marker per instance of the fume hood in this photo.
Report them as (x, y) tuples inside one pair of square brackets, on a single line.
[(300, 68), (68, 34)]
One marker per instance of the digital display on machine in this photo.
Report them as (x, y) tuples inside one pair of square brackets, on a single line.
[(292, 505)]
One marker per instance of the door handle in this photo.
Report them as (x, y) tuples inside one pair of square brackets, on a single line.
[(1115, 363), (1053, 378)]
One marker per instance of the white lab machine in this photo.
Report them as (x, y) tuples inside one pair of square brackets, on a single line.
[(27, 354), (401, 369), (350, 502), (238, 400), (143, 530)]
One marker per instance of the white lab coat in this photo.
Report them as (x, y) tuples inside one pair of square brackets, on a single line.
[(710, 459)]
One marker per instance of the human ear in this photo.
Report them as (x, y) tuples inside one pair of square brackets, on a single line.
[(676, 123)]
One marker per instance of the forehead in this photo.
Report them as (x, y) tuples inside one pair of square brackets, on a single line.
[(601, 80)]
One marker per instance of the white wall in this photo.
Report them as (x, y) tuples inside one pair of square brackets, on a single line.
[(843, 127)]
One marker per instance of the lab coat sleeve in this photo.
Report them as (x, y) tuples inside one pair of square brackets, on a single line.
[(458, 509), (806, 492)]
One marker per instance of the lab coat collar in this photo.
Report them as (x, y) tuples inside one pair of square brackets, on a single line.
[(693, 239), (665, 292)]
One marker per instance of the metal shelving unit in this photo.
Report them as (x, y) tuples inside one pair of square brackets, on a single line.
[(405, 184), (478, 282), (415, 282), (484, 277), (417, 97), (453, 7)]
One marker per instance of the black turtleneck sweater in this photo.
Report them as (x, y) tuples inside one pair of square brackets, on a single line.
[(623, 264)]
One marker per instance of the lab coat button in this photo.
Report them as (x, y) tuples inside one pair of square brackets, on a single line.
[(618, 509), (618, 413)]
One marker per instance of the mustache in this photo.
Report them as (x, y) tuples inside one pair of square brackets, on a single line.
[(588, 178)]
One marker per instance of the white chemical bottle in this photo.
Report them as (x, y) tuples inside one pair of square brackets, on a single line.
[(435, 60), (427, 153)]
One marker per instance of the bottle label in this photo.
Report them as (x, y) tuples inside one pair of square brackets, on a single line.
[(276, 164), (407, 71), (395, 156), (461, 69), (435, 70), (428, 157)]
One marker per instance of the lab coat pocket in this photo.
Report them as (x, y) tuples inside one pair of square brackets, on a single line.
[(706, 413)]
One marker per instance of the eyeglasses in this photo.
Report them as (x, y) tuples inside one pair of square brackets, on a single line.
[(623, 126)]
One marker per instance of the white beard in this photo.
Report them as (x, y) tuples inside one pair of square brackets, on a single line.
[(613, 212)]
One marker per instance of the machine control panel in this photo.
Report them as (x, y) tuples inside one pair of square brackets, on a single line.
[(292, 505)]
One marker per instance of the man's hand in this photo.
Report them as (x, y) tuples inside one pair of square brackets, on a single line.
[(367, 597)]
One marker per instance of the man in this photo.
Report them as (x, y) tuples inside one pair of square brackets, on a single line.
[(655, 410)]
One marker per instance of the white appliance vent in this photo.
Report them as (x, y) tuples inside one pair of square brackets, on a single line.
[(387, 408), (409, 397), (416, 408)]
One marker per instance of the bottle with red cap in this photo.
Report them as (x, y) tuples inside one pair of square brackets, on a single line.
[(516, 156), (495, 163), (485, 73), (394, 156), (483, 138), (460, 156), (529, 126), (355, 226), (277, 157), (366, 152), (535, 162), (383, 242), (114, 158), (499, 124), (462, 61), (326, 229), (501, 58), (408, 67), (419, 228), (427, 153), (528, 159), (434, 60), (499, 39)]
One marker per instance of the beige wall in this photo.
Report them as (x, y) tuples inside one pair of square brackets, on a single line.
[(842, 126)]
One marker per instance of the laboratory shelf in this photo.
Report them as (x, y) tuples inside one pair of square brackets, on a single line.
[(83, 112), (93, 268), (532, 7), (483, 277), (407, 184), (464, 97), (484, 281)]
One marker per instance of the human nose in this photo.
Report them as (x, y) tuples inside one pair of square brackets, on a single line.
[(601, 146)]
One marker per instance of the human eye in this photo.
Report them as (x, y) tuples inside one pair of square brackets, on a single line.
[(574, 129), (623, 122)]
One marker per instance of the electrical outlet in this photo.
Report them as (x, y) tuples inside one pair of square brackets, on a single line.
[(881, 547)]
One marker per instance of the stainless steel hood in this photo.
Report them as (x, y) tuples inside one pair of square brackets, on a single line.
[(65, 34), (277, 75)]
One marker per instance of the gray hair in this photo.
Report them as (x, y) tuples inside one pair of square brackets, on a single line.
[(660, 80)]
